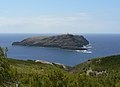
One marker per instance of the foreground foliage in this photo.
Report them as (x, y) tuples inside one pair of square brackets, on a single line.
[(19, 73)]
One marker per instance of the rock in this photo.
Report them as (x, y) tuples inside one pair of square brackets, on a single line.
[(65, 41), (41, 61)]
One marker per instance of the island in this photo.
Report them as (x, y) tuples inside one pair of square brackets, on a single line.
[(64, 41)]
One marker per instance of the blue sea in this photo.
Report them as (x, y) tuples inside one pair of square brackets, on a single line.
[(102, 45)]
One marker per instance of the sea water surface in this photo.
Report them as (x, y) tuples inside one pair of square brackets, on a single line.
[(102, 45)]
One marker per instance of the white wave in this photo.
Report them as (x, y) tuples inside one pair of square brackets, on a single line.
[(84, 51), (78, 50), (87, 46)]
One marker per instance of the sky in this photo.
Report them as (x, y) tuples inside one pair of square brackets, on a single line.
[(59, 16)]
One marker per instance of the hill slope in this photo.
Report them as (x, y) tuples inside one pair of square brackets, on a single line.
[(109, 63), (99, 72)]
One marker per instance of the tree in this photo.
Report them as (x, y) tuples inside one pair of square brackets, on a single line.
[(3, 52)]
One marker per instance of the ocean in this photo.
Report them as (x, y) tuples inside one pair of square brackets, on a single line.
[(102, 45)]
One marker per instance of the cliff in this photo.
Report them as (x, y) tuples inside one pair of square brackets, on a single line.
[(65, 41)]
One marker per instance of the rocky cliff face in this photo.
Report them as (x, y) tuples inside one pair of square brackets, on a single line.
[(65, 41)]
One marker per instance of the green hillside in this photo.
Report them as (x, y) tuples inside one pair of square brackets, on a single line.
[(109, 64), (99, 72)]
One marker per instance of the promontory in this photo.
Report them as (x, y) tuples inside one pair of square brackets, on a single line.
[(64, 41)]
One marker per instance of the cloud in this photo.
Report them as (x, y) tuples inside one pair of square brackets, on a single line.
[(76, 23)]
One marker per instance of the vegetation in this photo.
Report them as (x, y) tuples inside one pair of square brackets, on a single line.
[(3, 52), (100, 72)]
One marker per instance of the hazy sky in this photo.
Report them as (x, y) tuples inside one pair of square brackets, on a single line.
[(59, 16)]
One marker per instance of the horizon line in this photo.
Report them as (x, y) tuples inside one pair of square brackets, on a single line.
[(59, 33)]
